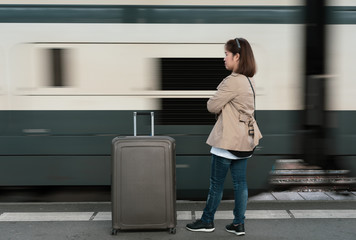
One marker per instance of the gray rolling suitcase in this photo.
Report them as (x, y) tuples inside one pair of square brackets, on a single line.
[(143, 189)]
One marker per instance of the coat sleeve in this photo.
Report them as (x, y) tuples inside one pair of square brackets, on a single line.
[(225, 93)]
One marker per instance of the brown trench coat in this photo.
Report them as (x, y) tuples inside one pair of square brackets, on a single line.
[(234, 104)]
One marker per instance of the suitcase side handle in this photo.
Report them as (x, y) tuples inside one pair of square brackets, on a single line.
[(152, 122)]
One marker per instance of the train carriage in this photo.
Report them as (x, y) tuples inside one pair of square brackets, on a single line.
[(73, 71)]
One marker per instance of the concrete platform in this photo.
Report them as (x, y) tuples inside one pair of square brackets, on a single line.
[(304, 196), (282, 215)]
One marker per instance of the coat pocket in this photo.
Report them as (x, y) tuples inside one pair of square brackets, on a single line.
[(244, 118)]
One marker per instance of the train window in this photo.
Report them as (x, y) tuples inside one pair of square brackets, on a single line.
[(189, 74), (192, 73), (185, 111), (57, 67)]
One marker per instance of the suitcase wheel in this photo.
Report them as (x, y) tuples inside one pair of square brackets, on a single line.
[(114, 231), (172, 230)]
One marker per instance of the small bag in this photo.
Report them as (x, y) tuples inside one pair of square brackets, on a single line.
[(243, 154)]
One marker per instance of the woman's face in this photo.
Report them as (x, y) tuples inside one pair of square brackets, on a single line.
[(231, 61)]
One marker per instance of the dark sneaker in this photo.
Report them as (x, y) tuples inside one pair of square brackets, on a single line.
[(238, 230), (200, 226)]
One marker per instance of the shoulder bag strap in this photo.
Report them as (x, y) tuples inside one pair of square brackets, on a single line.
[(254, 98)]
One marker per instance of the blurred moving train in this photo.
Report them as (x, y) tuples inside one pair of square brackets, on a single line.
[(72, 73)]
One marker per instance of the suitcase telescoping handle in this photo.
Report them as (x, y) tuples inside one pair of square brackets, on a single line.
[(152, 122)]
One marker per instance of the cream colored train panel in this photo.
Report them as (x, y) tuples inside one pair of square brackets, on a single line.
[(121, 60), (341, 66)]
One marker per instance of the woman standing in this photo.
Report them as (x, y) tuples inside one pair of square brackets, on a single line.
[(234, 136)]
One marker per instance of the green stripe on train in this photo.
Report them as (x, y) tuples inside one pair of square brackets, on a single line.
[(151, 14), (168, 14), (91, 132)]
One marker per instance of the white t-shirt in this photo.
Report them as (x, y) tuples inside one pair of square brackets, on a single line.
[(225, 153)]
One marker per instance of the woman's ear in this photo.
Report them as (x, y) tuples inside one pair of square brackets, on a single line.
[(236, 57)]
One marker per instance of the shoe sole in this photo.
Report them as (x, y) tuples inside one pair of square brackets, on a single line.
[(201, 229), (234, 232)]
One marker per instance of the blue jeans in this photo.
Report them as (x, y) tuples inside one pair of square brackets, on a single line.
[(219, 168)]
